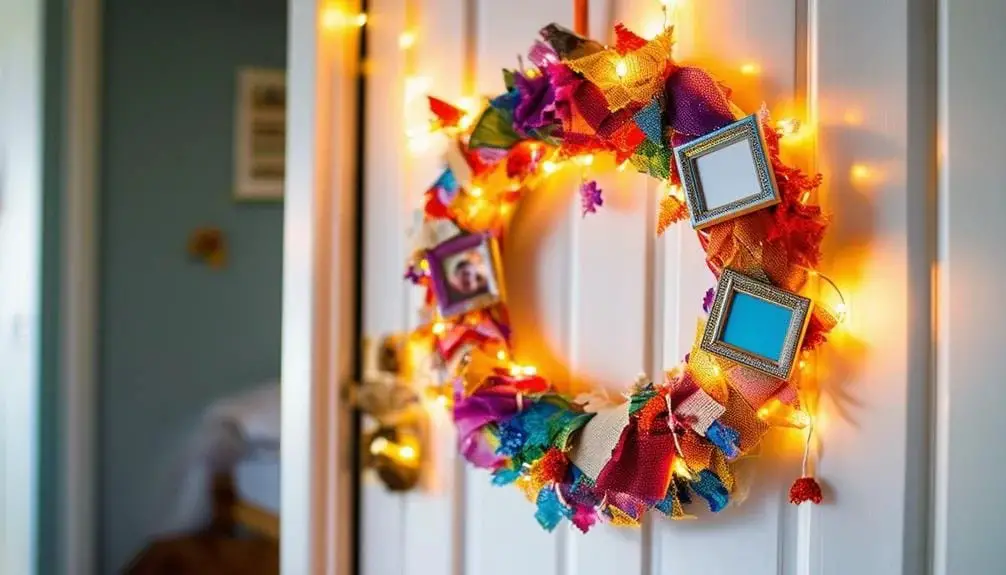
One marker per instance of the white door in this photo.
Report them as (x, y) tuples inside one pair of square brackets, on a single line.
[(606, 297)]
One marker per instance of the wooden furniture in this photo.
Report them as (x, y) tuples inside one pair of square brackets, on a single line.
[(231, 513), (208, 554), (220, 549)]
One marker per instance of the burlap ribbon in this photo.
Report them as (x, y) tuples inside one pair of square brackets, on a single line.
[(740, 244), (741, 417), (598, 440), (591, 125), (640, 464), (699, 410), (706, 369), (757, 388), (696, 105), (642, 72)]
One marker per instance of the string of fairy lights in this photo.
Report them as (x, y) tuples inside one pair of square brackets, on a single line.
[(420, 136)]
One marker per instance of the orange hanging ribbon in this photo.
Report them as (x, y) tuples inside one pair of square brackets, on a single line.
[(581, 17)]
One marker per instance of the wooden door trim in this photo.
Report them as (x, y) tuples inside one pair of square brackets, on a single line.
[(78, 299)]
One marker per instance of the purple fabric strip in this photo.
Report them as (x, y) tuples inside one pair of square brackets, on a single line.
[(474, 412), (696, 104), (477, 450)]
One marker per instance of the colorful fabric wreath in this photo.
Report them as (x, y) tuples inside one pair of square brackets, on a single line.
[(674, 440)]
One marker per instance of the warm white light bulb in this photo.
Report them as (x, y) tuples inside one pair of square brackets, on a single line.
[(468, 103), (800, 419), (418, 144), (621, 68), (653, 29), (406, 40), (407, 452), (842, 312), (417, 87), (681, 468), (788, 125), (860, 171), (332, 17)]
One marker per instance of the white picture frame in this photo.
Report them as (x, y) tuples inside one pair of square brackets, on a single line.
[(260, 135), (727, 173)]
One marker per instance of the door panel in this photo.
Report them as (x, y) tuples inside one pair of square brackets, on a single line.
[(596, 300), (751, 47)]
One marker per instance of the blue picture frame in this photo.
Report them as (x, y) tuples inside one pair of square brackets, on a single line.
[(756, 324)]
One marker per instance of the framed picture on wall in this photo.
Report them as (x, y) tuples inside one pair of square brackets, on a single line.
[(260, 134)]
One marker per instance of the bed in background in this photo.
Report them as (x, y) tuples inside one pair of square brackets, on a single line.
[(232, 471)]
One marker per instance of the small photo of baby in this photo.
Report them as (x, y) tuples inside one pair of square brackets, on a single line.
[(464, 274), (467, 276)]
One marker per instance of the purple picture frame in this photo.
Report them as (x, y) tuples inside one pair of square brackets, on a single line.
[(438, 256)]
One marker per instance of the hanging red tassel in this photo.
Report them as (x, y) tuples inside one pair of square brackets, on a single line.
[(805, 489)]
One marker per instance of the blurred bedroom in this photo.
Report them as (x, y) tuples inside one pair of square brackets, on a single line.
[(191, 216)]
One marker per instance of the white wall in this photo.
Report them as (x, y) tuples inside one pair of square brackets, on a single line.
[(971, 395), (20, 264)]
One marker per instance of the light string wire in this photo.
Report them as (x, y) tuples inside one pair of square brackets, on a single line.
[(843, 305), (806, 448)]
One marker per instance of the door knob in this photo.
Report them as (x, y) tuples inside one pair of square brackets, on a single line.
[(393, 444)]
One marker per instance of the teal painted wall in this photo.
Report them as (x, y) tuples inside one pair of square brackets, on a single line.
[(176, 335)]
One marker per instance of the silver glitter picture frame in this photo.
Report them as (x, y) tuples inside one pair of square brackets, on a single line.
[(727, 173), (799, 308)]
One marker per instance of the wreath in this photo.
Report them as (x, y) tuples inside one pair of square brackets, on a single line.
[(674, 439)]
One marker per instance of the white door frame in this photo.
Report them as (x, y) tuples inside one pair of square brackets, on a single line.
[(319, 285), (318, 291)]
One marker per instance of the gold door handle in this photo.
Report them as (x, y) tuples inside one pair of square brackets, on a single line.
[(392, 446)]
